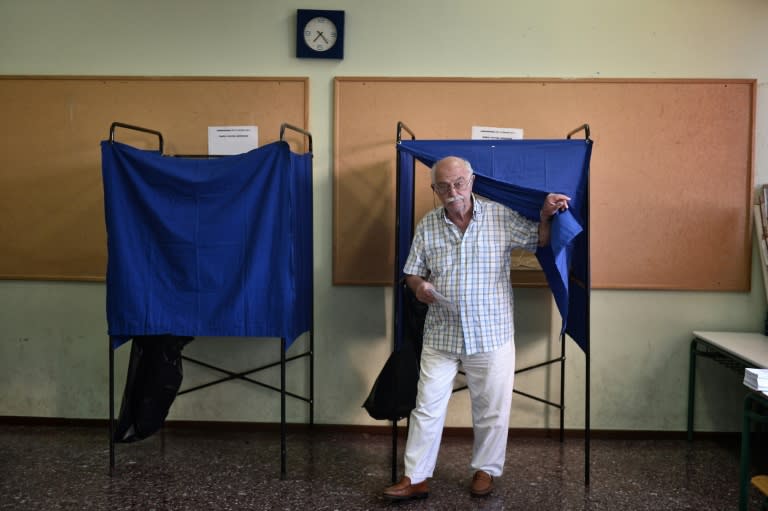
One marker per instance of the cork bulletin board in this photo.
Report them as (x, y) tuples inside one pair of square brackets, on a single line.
[(51, 198), (670, 182)]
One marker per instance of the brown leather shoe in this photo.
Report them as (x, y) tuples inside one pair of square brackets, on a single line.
[(482, 484), (404, 490)]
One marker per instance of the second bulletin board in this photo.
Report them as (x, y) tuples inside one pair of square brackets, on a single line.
[(670, 182)]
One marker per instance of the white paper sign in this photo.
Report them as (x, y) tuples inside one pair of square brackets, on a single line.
[(232, 139), (490, 133)]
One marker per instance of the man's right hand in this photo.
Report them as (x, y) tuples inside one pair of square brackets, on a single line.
[(424, 292), (421, 288)]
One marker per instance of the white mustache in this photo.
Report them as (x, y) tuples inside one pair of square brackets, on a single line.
[(453, 199)]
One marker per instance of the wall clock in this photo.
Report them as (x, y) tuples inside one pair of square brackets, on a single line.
[(319, 34)]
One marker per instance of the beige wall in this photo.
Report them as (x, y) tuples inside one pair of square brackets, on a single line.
[(53, 347)]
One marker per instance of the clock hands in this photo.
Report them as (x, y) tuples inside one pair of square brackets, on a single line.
[(319, 35)]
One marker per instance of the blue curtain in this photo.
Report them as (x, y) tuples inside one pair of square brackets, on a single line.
[(208, 247), (519, 174)]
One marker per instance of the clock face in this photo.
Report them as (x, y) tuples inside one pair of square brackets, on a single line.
[(320, 33)]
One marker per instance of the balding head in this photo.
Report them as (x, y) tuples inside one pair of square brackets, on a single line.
[(452, 162)]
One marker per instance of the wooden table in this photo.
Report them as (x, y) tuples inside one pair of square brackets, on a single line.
[(737, 350)]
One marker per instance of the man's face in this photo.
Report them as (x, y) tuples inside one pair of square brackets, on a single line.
[(453, 185)]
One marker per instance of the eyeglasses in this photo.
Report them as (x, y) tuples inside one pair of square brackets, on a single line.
[(459, 185)]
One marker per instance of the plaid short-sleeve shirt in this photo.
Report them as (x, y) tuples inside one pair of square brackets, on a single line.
[(472, 270)]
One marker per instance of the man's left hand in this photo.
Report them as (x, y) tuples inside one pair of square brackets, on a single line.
[(553, 203)]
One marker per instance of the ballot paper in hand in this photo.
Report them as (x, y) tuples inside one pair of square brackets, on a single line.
[(445, 301)]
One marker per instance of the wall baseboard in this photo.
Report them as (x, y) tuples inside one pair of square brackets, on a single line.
[(384, 429)]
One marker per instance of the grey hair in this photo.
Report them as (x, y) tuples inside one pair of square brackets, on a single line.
[(434, 166)]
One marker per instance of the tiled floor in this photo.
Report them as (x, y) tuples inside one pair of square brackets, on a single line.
[(66, 467)]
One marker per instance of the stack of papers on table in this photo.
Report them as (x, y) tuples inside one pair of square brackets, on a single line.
[(756, 379)]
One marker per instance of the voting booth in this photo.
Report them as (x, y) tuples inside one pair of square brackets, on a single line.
[(209, 246), (518, 174)]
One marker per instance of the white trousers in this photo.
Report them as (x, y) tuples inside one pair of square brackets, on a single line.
[(490, 379)]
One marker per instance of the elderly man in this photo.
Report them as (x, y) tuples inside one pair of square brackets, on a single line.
[(459, 264)]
